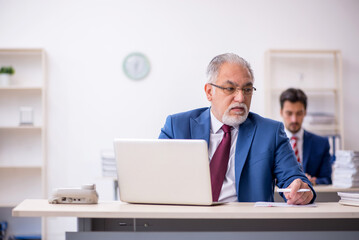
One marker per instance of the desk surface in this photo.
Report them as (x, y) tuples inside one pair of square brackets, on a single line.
[(325, 193), (41, 208), (331, 188)]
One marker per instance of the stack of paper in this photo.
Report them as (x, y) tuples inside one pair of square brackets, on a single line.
[(346, 169), (320, 118), (109, 168), (349, 198)]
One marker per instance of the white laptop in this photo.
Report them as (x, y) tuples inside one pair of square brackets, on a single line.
[(160, 171)]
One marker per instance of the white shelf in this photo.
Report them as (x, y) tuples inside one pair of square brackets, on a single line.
[(309, 90), (23, 147), (303, 51), (21, 88), (20, 167), (24, 127), (318, 73), (20, 51)]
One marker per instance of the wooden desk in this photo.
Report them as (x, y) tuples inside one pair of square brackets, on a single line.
[(110, 220), (325, 193)]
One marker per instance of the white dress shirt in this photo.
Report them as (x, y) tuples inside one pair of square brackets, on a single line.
[(299, 135), (228, 192)]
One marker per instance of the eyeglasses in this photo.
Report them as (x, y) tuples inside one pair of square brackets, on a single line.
[(247, 91)]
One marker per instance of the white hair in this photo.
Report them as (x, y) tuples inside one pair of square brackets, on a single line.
[(216, 63)]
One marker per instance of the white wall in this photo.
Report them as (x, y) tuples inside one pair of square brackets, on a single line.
[(90, 99)]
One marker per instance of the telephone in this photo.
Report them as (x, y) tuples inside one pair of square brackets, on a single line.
[(87, 194)]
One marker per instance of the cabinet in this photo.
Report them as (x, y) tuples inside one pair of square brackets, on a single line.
[(319, 74), (23, 146)]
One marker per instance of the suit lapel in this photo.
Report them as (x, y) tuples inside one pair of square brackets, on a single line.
[(200, 129), (200, 126), (307, 144), (244, 141)]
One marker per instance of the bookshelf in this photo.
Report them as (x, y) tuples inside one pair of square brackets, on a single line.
[(23, 146), (319, 74)]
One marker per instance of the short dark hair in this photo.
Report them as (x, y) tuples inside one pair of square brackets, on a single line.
[(293, 95)]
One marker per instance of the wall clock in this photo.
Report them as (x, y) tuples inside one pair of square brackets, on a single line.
[(136, 66)]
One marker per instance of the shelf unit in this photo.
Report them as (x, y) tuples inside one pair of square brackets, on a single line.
[(23, 154), (319, 74)]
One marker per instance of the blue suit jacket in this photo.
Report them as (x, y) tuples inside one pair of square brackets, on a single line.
[(316, 157), (263, 152)]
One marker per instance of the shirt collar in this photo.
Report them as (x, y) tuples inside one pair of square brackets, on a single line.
[(299, 134), (216, 124)]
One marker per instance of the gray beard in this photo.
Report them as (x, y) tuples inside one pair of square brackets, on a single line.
[(235, 121)]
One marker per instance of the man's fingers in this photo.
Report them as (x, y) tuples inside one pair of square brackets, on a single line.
[(304, 198), (295, 197), (295, 186)]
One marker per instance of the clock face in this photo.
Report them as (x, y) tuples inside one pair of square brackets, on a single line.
[(136, 66)]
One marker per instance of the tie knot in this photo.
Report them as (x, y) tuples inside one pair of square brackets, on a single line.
[(294, 138), (226, 128)]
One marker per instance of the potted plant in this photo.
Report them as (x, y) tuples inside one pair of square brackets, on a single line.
[(5, 73)]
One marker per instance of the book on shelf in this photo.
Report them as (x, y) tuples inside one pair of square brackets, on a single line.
[(320, 118)]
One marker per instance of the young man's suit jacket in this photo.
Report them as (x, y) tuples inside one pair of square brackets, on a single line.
[(316, 158), (263, 152)]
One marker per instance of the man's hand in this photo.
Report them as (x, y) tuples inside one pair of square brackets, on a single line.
[(311, 179), (298, 198)]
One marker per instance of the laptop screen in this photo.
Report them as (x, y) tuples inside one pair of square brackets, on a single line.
[(163, 171)]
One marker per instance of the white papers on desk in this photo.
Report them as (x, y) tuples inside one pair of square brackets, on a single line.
[(281, 204), (349, 198), (346, 169)]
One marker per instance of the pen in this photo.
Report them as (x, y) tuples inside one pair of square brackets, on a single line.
[(288, 190)]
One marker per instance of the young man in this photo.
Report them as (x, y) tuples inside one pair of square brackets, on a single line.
[(247, 152), (312, 151)]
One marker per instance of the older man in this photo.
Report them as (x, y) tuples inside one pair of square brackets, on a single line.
[(248, 153)]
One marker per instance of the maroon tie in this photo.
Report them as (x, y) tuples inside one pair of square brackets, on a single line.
[(219, 162)]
